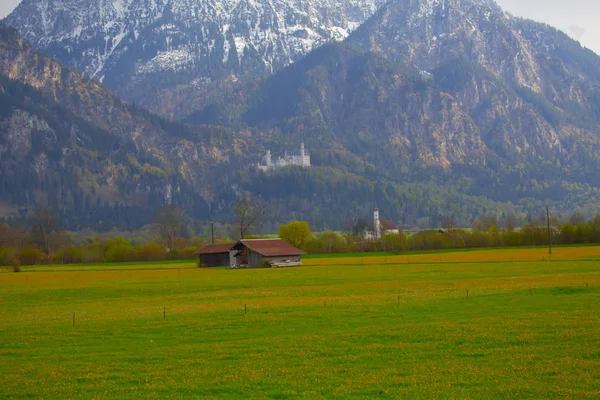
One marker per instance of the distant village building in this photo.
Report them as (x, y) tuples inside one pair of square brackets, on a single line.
[(301, 159), (380, 228), (250, 253)]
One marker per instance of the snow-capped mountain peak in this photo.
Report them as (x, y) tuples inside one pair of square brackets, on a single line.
[(133, 44)]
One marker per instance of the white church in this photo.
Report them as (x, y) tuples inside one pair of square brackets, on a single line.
[(301, 159), (378, 231)]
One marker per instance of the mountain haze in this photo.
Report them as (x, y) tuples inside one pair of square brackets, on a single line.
[(428, 108)]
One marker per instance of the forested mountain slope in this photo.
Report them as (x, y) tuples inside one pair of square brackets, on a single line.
[(67, 142), (430, 108)]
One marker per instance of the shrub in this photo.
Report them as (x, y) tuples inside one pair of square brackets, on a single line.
[(295, 233), (513, 239), (395, 242), (189, 253), (117, 250), (93, 253), (6, 255), (478, 239), (16, 264), (148, 252), (431, 240), (30, 255), (68, 255)]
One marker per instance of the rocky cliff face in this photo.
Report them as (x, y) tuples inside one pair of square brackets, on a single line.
[(341, 95), (455, 84), (67, 142), (429, 33), (139, 46), (526, 85)]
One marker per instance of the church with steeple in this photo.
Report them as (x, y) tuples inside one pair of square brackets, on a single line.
[(378, 230)]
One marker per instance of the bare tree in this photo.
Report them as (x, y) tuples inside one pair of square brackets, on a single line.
[(577, 218), (478, 226), (6, 237), (44, 231), (248, 210), (488, 220), (14, 236), (511, 222), (169, 222), (448, 223), (358, 230)]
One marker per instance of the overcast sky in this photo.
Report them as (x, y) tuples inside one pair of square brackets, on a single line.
[(575, 17)]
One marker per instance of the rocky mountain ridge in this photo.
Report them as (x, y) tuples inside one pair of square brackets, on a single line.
[(139, 46), (529, 87)]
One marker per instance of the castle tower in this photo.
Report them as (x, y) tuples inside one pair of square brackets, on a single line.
[(268, 158), (376, 224), (304, 157)]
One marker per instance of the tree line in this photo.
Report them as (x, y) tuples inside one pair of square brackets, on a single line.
[(485, 233), (44, 242)]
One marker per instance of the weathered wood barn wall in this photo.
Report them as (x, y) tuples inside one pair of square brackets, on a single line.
[(215, 255)]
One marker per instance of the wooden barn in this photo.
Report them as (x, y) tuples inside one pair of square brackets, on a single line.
[(215, 255), (256, 253)]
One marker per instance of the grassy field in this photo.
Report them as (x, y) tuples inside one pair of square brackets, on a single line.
[(389, 326)]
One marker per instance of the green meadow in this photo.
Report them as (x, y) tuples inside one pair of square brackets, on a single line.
[(405, 326)]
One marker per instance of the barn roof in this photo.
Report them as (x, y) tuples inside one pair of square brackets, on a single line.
[(215, 248), (271, 247)]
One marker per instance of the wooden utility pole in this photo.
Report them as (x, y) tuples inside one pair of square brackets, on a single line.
[(549, 231), (212, 232)]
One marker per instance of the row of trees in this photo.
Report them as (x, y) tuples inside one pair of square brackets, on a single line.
[(298, 234), (98, 250), (44, 241)]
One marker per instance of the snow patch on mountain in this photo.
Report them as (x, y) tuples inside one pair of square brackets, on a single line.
[(104, 38), (167, 60)]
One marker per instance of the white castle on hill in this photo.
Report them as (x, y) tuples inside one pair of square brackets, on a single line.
[(301, 160)]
